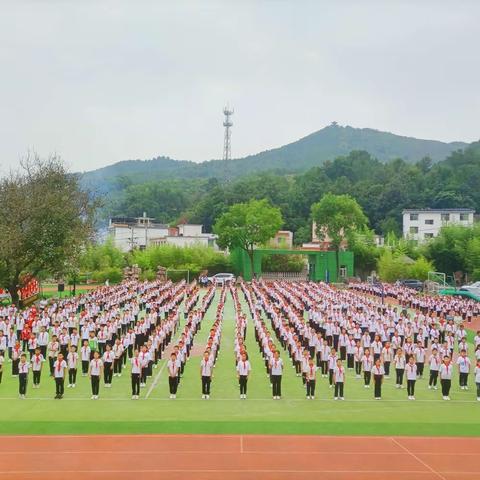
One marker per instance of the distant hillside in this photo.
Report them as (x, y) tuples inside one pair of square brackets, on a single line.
[(310, 151)]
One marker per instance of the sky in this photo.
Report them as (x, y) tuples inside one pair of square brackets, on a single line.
[(97, 82)]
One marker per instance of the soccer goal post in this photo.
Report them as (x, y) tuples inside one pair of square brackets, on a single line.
[(438, 277)]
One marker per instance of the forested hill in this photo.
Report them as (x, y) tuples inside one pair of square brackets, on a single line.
[(308, 152)]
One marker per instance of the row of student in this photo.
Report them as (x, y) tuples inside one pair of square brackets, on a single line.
[(181, 352), (242, 363), (73, 327), (444, 306), (302, 359)]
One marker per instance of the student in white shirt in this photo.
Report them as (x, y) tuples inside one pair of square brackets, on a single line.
[(37, 363), (464, 365), (445, 373), (85, 352), (107, 360), (378, 374), (173, 366), (311, 379), (206, 375), (477, 378), (72, 359), (339, 378), (59, 369), (367, 364), (243, 371), (434, 363), (399, 362), (95, 372), (276, 370), (411, 370), (135, 374), (23, 367)]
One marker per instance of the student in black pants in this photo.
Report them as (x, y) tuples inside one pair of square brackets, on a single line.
[(23, 367), (378, 373), (173, 371), (276, 371), (445, 373), (96, 367), (136, 372)]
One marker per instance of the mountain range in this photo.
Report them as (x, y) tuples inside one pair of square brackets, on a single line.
[(313, 150)]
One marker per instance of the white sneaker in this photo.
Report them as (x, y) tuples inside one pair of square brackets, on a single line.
[(466, 387), (331, 386), (342, 398), (462, 388), (444, 397), (413, 398), (447, 398), (133, 397), (335, 398), (435, 387), (92, 397), (174, 395), (203, 396), (119, 374), (207, 397), (478, 399), (429, 387), (74, 385), (69, 386)]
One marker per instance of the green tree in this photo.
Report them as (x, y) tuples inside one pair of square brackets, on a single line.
[(45, 221), (245, 225), (338, 217)]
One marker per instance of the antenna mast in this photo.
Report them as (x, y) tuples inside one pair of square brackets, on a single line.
[(227, 123)]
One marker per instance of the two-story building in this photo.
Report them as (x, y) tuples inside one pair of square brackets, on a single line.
[(424, 224)]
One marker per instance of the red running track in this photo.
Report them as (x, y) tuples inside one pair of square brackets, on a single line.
[(238, 457)]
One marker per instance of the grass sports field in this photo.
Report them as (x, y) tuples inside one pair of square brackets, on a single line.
[(225, 413)]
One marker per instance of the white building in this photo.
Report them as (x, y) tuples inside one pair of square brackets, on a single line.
[(185, 235), (130, 232), (424, 224)]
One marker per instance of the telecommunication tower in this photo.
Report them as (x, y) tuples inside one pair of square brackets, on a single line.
[(227, 123)]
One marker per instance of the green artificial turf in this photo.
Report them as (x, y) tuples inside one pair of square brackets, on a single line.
[(225, 413)]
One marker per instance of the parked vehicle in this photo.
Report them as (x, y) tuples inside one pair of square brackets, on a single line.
[(474, 288), (412, 283), (222, 278)]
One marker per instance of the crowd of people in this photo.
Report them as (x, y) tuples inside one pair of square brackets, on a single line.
[(326, 333)]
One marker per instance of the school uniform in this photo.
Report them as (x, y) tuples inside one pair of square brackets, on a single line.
[(477, 381), (243, 370), (72, 359), (107, 367), (23, 378), (173, 367), (445, 373), (378, 373), (59, 375), (85, 355), (37, 362), (463, 369), (387, 357), (367, 364), (136, 371), (95, 370), (411, 371), (419, 353), (276, 369), (311, 381), (117, 359), (434, 367), (339, 379), (206, 370)]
